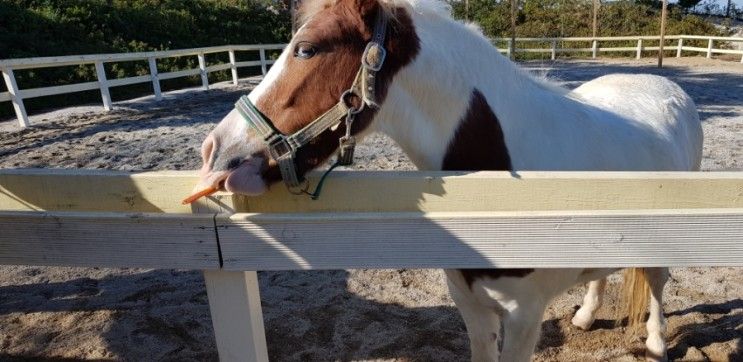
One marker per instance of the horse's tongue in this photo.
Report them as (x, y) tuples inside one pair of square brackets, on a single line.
[(246, 179)]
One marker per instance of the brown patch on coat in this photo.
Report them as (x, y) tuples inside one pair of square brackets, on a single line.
[(307, 88), (478, 145), (472, 275)]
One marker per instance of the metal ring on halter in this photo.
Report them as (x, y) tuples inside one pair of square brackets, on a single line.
[(351, 108), (299, 190)]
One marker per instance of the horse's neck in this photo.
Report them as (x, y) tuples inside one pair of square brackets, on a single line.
[(429, 100)]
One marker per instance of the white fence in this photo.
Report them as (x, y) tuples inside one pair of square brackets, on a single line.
[(428, 220), (16, 95), (598, 45)]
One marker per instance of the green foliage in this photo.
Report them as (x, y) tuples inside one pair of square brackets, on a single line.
[(568, 18), (61, 27), (34, 28)]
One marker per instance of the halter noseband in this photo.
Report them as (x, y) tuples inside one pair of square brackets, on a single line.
[(283, 148)]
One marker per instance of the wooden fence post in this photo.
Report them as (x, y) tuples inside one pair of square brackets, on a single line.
[(264, 69), (15, 97), (235, 305), (509, 49), (680, 47), (709, 48), (554, 49), (100, 71), (202, 69), (512, 45), (155, 78), (233, 67), (594, 48), (639, 48), (662, 40)]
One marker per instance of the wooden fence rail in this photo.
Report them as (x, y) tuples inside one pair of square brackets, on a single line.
[(593, 45), (16, 95), (428, 220)]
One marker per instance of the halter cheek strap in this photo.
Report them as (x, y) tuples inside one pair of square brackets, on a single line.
[(283, 148)]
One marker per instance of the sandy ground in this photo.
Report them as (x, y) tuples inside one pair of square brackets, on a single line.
[(134, 314)]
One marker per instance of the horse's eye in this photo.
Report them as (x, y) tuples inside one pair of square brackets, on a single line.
[(305, 50)]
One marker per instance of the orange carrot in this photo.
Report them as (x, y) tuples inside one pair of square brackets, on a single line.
[(200, 194)]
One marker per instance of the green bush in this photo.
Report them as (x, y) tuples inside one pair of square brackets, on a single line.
[(573, 18), (36, 28)]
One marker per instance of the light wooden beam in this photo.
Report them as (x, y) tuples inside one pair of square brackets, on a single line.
[(299, 241), (108, 240), (595, 27), (482, 240), (237, 317), (90, 190)]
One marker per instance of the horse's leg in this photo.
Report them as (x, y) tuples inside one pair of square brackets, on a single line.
[(521, 327), (482, 322), (656, 325), (592, 301)]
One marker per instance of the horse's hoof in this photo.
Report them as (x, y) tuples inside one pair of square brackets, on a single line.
[(651, 357), (656, 349), (583, 320)]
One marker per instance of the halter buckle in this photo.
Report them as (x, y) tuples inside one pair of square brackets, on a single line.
[(279, 147), (374, 64)]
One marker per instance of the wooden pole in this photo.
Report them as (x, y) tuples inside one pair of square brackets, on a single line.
[(596, 5), (15, 97), (594, 43), (103, 84), (512, 52), (663, 12), (155, 78), (202, 71), (293, 5), (237, 317), (233, 66), (467, 10)]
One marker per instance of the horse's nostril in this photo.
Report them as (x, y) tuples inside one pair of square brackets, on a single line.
[(234, 163)]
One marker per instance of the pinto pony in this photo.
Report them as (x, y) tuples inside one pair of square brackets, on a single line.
[(452, 102)]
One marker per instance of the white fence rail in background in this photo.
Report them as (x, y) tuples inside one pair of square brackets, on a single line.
[(16, 95), (594, 45)]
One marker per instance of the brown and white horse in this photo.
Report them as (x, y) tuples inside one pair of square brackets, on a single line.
[(452, 102)]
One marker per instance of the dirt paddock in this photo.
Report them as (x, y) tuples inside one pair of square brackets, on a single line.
[(396, 315)]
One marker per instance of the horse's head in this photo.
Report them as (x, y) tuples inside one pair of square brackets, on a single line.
[(304, 89)]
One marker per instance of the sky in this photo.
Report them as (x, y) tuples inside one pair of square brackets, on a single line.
[(722, 3)]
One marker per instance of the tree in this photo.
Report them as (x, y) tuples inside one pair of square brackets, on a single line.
[(727, 9), (688, 4)]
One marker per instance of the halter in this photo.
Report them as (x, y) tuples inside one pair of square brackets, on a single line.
[(283, 148)]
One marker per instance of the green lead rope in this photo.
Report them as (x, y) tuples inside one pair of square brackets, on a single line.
[(318, 189)]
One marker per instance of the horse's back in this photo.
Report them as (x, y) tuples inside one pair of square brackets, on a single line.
[(655, 102)]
